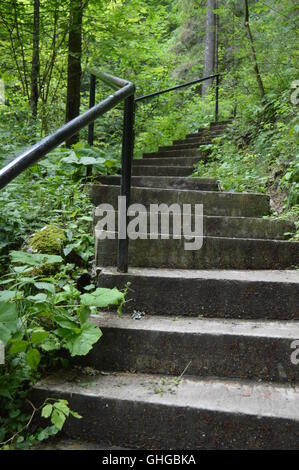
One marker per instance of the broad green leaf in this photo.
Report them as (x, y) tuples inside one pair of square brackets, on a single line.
[(38, 298), (34, 259), (33, 358), (80, 344), (5, 334), (39, 336), (45, 286), (84, 313), (66, 323), (62, 405), (18, 346), (75, 414), (102, 297), (58, 419), (8, 320), (47, 410), (6, 295)]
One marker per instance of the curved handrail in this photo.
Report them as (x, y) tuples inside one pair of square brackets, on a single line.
[(42, 148), (125, 92)]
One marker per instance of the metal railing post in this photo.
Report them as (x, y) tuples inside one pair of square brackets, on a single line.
[(125, 188), (217, 99), (92, 101)]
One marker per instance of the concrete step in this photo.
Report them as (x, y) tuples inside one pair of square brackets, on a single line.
[(143, 170), (154, 412), (209, 134), (59, 443), (166, 182), (174, 153), (255, 295), (216, 253), (215, 203), (227, 227), (245, 349), (200, 136), (184, 146), (169, 161), (193, 140)]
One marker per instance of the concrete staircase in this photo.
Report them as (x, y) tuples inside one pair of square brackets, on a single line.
[(201, 358)]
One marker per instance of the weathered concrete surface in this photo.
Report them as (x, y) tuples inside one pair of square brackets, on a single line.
[(185, 145), (168, 161), (257, 350), (145, 411), (166, 182), (216, 253), (175, 153), (74, 444), (221, 294), (214, 202), (141, 170), (230, 227)]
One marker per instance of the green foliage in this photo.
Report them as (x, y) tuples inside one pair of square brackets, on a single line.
[(45, 300), (39, 317), (43, 305), (260, 153)]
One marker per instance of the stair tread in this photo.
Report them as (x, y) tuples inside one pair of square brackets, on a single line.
[(220, 395), (287, 276), (192, 325)]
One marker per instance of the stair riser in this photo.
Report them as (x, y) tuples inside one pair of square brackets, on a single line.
[(162, 171), (171, 161), (210, 298), (216, 253), (169, 353), (192, 144), (207, 134), (184, 146), (215, 203), (194, 140), (145, 425), (228, 227), (166, 183), (175, 153)]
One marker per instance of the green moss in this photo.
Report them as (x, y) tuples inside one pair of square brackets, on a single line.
[(49, 240)]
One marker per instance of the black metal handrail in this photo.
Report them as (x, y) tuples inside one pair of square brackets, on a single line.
[(125, 92), (184, 85)]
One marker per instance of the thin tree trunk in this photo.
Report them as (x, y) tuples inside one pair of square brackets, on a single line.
[(253, 53), (210, 45), (216, 68), (35, 65), (74, 65)]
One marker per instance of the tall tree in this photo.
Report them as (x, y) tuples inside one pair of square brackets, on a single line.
[(253, 53), (74, 70), (35, 64), (210, 44)]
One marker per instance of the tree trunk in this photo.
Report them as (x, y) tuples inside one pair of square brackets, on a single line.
[(35, 64), (210, 45), (253, 53), (74, 65)]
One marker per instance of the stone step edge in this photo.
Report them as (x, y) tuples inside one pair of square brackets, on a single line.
[(216, 395)]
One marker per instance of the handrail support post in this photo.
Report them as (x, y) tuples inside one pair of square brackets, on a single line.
[(125, 189)]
